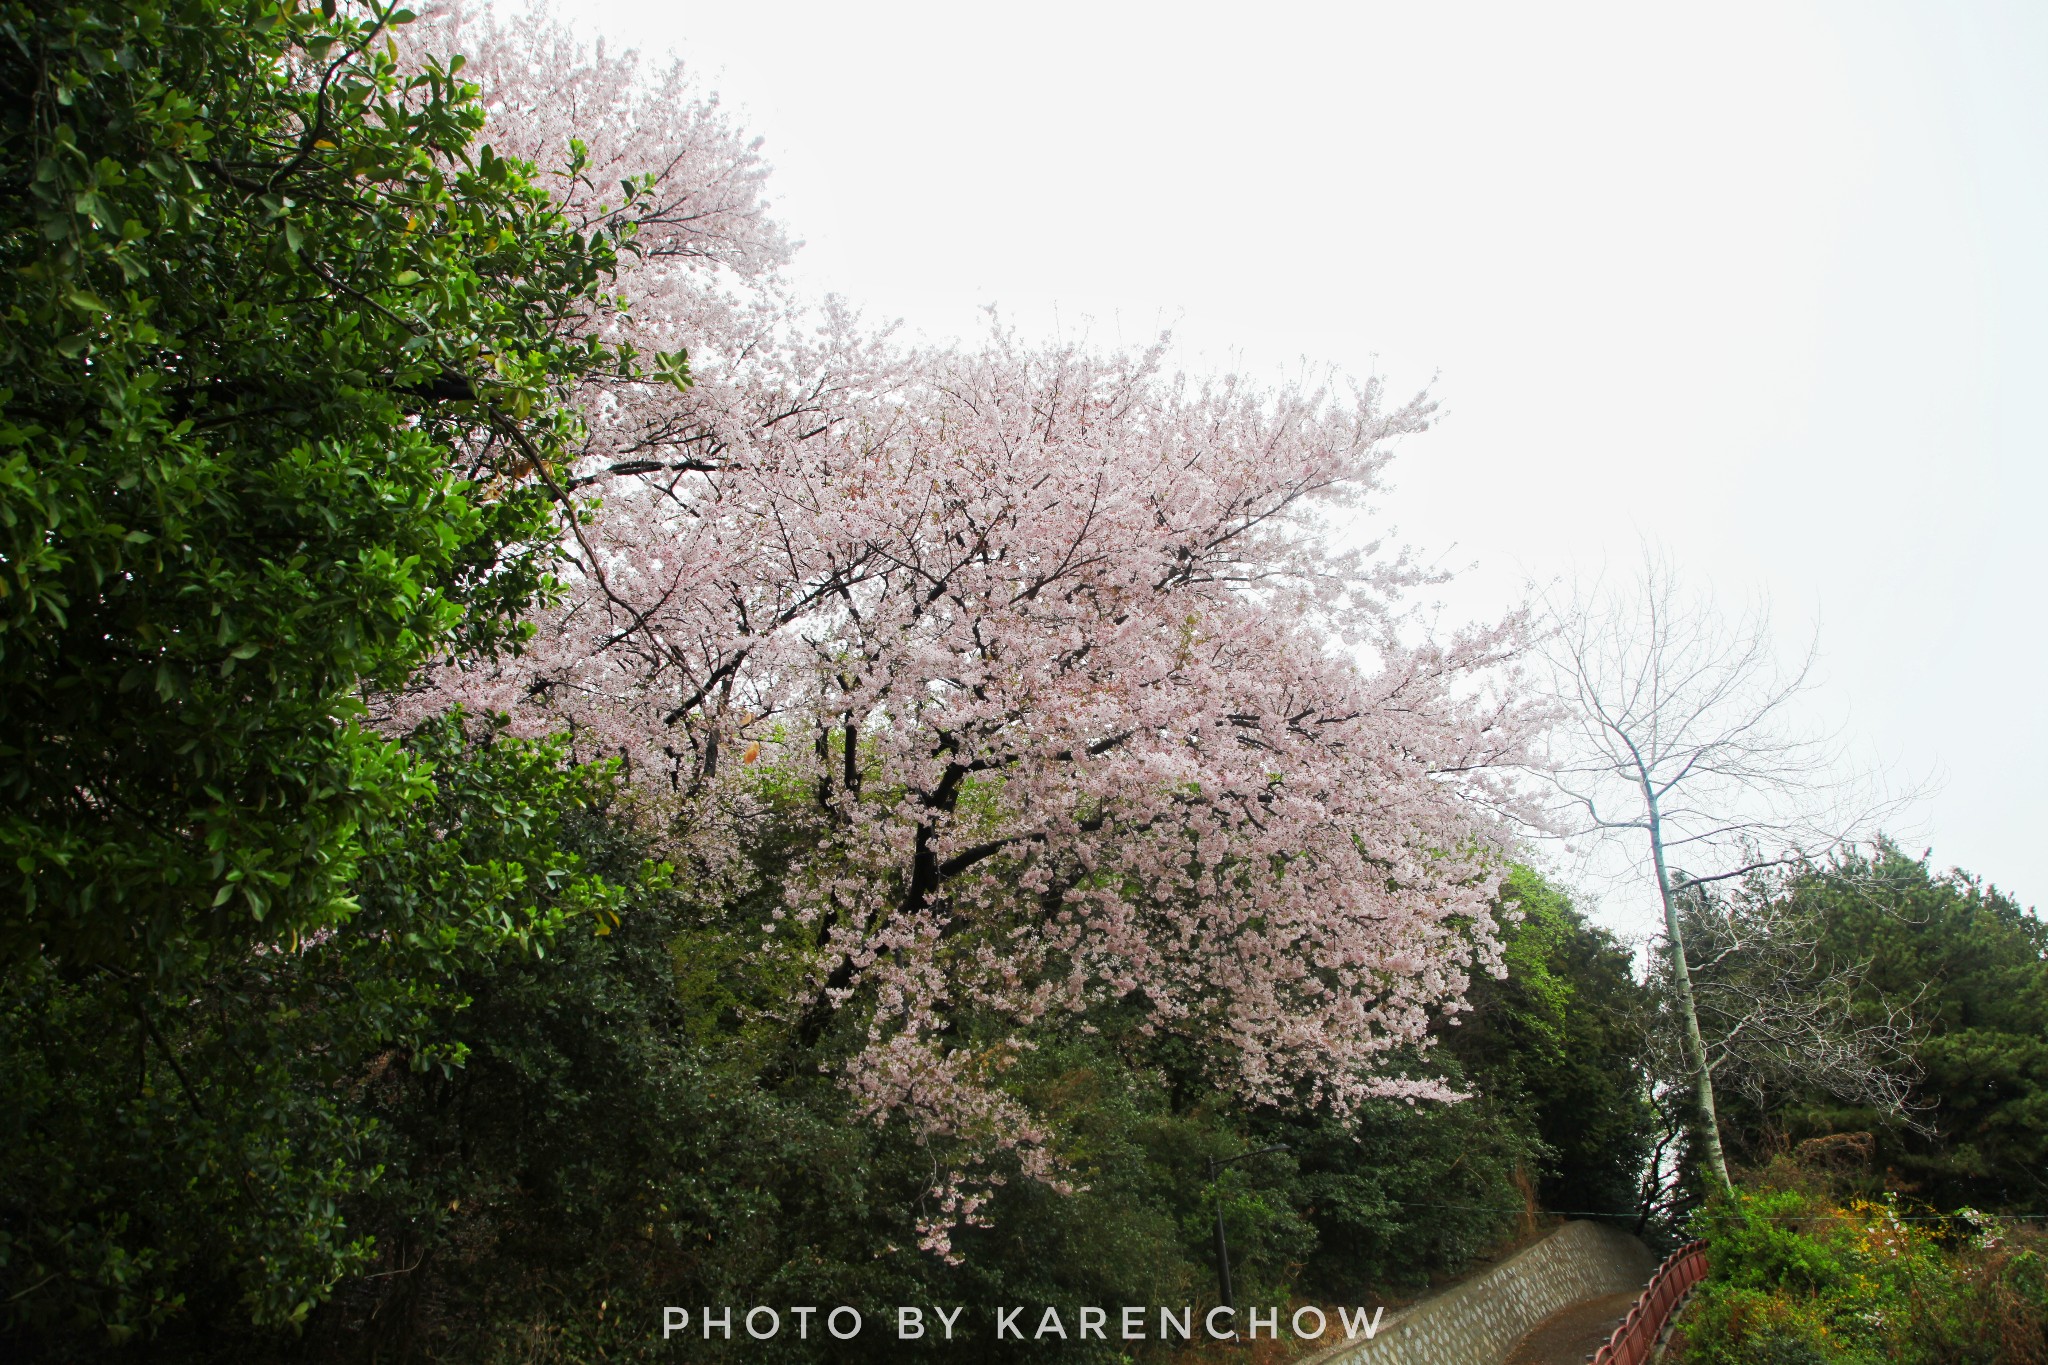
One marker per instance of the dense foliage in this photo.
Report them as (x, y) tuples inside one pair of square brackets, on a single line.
[(187, 1156), (618, 1150), (1797, 1278), (1970, 966), (281, 355), (1876, 1233), (1564, 1040), (628, 1133), (256, 291)]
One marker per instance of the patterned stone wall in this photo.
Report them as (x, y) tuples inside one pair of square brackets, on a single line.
[(1479, 1320)]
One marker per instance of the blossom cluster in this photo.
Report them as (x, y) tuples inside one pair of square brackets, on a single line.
[(1095, 718)]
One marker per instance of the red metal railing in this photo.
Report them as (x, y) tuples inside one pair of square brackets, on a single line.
[(1636, 1338)]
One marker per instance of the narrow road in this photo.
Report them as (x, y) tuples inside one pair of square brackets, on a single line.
[(1571, 1334)]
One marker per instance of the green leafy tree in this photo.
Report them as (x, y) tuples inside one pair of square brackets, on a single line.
[(1973, 963), (282, 358), (191, 1167), (1562, 1040), (279, 358)]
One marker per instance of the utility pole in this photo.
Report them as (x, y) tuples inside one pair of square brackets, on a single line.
[(1222, 1242)]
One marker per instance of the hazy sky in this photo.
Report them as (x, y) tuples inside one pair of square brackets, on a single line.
[(1763, 283)]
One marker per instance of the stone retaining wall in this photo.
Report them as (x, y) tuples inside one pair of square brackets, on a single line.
[(1479, 1320)]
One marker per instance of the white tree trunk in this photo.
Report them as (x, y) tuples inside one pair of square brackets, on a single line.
[(1708, 1121)]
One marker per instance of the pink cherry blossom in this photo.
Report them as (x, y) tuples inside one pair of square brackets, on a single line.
[(1088, 708)]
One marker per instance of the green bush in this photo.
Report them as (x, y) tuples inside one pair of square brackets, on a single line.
[(1796, 1277)]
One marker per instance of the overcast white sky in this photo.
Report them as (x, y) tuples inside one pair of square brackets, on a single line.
[(1763, 283)]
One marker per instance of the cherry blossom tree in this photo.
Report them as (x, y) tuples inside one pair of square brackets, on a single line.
[(1092, 716)]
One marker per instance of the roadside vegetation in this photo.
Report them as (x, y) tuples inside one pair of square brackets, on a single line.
[(1803, 1276)]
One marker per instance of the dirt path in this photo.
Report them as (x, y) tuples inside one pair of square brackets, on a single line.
[(1571, 1334)]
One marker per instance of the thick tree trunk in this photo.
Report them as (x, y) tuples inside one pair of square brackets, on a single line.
[(1709, 1123)]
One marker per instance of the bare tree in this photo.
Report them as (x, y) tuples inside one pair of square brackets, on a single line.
[(1782, 1017), (1678, 744)]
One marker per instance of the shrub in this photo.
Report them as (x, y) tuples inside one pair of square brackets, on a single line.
[(1797, 1277)]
